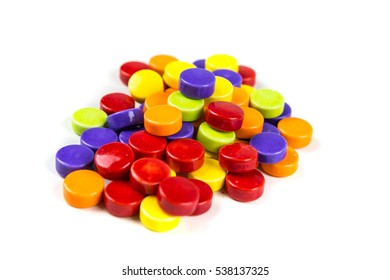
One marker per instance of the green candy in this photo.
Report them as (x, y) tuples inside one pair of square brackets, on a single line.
[(191, 108), (269, 102), (86, 118), (212, 140)]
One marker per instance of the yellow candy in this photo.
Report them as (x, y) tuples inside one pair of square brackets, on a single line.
[(154, 218), (223, 91), (221, 61), (210, 173), (144, 83), (173, 70)]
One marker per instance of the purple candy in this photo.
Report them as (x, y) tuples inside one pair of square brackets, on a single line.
[(186, 131), (200, 63), (234, 77), (96, 137), (197, 83), (125, 134), (73, 157), (267, 127), (286, 113), (271, 147), (125, 119)]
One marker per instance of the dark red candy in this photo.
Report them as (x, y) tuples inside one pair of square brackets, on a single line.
[(224, 116), (185, 155), (246, 186), (205, 197), (129, 68), (116, 102), (248, 75), (238, 157), (145, 144)]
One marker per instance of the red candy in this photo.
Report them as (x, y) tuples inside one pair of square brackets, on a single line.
[(115, 102), (145, 144), (224, 116), (113, 161), (238, 157), (129, 68), (185, 155), (147, 173), (246, 186), (178, 196), (248, 75), (121, 200), (205, 197)]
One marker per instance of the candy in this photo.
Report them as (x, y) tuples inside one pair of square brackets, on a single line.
[(129, 68), (125, 119), (159, 62), (186, 131), (248, 75), (178, 196), (197, 83), (115, 102), (221, 61), (296, 131), (200, 63), (213, 139), (191, 109), (83, 188), (205, 197), (283, 168), (230, 75), (238, 158), (240, 97), (173, 70), (185, 155), (267, 127), (86, 118), (155, 99), (246, 186), (96, 137), (211, 173), (144, 83), (252, 123), (73, 157), (285, 114), (224, 116), (121, 200), (269, 102), (223, 91), (163, 120), (145, 144), (271, 147), (124, 135)]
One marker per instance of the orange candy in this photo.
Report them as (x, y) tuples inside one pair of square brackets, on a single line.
[(155, 99), (296, 131), (240, 97), (162, 120), (158, 62), (283, 168), (83, 188), (251, 125)]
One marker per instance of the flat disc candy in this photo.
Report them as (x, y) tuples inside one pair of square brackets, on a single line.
[(213, 139), (191, 109), (197, 83), (245, 187), (297, 132), (224, 116), (144, 83), (125, 119), (271, 147), (185, 155), (234, 77), (96, 137), (285, 167), (115, 102), (163, 120), (145, 144), (205, 197), (269, 102), (178, 196), (86, 118), (238, 158), (73, 157)]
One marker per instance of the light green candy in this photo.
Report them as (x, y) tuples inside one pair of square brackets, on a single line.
[(86, 118), (212, 140), (191, 108), (269, 102)]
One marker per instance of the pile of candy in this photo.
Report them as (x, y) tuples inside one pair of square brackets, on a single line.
[(186, 130)]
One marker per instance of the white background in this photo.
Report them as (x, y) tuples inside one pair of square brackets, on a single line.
[(330, 60)]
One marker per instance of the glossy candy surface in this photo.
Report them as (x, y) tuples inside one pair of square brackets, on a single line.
[(178, 196), (267, 127), (173, 70), (205, 197), (121, 200), (115, 102), (96, 137), (245, 187), (160, 61), (234, 77), (145, 144), (200, 63), (223, 91), (163, 120), (285, 114), (248, 75), (186, 131), (124, 135), (197, 83), (144, 83), (211, 173), (83, 188), (213, 139), (191, 109), (271, 147), (185, 155), (224, 116), (240, 97), (296, 131), (221, 61), (86, 118), (113, 160), (285, 167), (125, 119), (73, 157), (269, 102), (155, 99), (238, 158), (127, 69), (252, 123)]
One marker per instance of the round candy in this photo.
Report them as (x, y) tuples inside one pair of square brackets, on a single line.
[(129, 68), (267, 127), (145, 144), (200, 63), (285, 114), (248, 89), (73, 157), (159, 62), (221, 61), (238, 158), (125, 119), (163, 120), (245, 187), (252, 123), (83, 188), (147, 173), (154, 218), (224, 116), (211, 173), (186, 131), (240, 97), (125, 134), (115, 102), (213, 139), (271, 147), (205, 197), (113, 160), (231, 75), (144, 83), (296, 131), (269, 102), (285, 167), (248, 75), (185, 155), (223, 91), (170, 90), (121, 200), (173, 70), (197, 83), (96, 137), (155, 99), (191, 109), (178, 196), (86, 118)]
